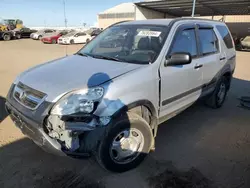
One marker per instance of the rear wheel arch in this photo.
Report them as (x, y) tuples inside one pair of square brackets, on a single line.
[(228, 76)]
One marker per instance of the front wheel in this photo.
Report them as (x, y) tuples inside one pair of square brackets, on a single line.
[(71, 41), (127, 142), (6, 37), (18, 36), (217, 98), (40, 37)]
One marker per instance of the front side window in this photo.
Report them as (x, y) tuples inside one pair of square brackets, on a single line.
[(185, 41), (139, 44), (209, 41)]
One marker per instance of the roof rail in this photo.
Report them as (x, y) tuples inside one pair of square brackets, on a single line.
[(119, 23)]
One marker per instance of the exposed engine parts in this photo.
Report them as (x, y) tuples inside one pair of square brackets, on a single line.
[(68, 138)]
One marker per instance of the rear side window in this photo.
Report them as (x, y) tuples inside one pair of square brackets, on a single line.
[(185, 41), (225, 35), (209, 41)]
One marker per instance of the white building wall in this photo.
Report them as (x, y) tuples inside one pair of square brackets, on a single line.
[(142, 13)]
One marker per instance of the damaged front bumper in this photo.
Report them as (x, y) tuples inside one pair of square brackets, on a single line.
[(36, 133)]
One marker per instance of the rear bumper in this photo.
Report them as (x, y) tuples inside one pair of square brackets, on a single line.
[(31, 129)]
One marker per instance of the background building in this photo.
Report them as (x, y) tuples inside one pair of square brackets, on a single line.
[(126, 12), (238, 24)]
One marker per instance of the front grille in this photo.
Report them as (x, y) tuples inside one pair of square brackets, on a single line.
[(28, 96)]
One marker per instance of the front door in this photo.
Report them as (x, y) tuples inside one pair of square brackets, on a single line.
[(181, 85)]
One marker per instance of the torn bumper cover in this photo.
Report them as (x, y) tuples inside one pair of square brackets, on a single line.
[(36, 133)]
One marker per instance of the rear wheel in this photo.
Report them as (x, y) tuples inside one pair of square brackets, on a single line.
[(18, 36), (6, 37), (127, 142), (39, 37), (217, 98), (87, 41)]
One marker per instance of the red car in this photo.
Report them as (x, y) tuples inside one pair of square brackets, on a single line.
[(52, 37)]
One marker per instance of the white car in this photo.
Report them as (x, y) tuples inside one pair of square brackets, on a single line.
[(74, 38), (39, 34)]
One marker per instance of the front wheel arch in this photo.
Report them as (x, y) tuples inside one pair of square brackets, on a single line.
[(141, 108)]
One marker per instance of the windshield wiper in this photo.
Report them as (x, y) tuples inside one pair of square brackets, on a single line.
[(106, 57), (82, 54)]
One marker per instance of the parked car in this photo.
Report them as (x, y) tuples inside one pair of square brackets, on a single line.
[(74, 38), (24, 32), (245, 43), (53, 37), (108, 101), (39, 34), (95, 32)]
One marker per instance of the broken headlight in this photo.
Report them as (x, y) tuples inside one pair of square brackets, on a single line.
[(80, 101)]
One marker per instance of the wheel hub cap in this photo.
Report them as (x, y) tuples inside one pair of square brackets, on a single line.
[(222, 92), (126, 146)]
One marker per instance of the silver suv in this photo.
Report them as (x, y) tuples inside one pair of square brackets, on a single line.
[(108, 99)]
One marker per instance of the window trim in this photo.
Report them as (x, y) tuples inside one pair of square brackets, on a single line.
[(208, 27), (178, 31)]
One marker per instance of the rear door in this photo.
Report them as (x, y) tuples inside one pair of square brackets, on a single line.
[(210, 55), (227, 46), (181, 85)]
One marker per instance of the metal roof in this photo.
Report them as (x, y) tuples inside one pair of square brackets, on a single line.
[(203, 7)]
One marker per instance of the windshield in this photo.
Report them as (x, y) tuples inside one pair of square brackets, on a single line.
[(70, 34), (140, 44)]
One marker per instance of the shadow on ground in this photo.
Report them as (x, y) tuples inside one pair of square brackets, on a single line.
[(201, 148), (3, 113)]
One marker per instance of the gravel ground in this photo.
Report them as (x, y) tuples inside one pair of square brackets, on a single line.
[(199, 148)]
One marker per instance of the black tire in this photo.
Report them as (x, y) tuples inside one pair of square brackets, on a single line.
[(124, 122), (53, 41), (6, 37), (40, 37), (71, 41), (87, 41), (214, 101), (18, 36)]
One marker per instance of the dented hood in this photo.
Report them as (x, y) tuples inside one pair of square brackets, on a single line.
[(72, 72)]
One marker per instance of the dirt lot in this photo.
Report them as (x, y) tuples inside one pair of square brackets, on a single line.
[(199, 148)]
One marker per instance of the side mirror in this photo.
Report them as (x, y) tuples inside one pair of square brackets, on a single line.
[(76, 35), (180, 58)]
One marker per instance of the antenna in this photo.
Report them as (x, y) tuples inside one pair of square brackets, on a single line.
[(65, 24)]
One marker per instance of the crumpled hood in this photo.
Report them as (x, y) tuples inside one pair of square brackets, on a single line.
[(72, 72)]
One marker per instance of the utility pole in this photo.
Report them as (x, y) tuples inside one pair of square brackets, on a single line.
[(64, 11), (65, 24), (193, 10)]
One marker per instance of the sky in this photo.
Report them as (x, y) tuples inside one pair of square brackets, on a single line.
[(50, 12)]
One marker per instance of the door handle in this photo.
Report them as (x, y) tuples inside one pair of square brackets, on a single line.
[(198, 66), (222, 58)]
